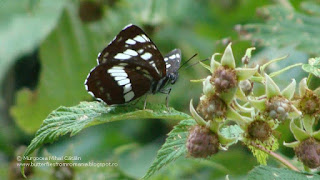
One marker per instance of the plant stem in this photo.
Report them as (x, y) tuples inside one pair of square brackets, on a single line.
[(276, 156), (309, 79)]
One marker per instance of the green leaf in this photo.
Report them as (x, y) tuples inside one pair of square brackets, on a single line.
[(282, 24), (173, 148), (311, 7), (140, 156), (23, 27), (266, 172), (313, 66), (74, 119), (231, 131), (271, 144), (67, 56), (230, 135)]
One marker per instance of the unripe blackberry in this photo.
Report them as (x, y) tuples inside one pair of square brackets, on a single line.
[(202, 142), (246, 86), (211, 107), (308, 153), (310, 103), (278, 107), (223, 79), (259, 130)]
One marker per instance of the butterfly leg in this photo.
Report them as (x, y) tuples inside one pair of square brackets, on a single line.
[(145, 102), (167, 98), (167, 92)]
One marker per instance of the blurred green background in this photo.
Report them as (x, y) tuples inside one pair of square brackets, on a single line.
[(47, 48)]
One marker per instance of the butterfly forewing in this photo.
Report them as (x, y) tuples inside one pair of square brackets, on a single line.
[(172, 60), (116, 83), (131, 66), (133, 45)]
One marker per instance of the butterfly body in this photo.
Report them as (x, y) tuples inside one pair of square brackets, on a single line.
[(130, 67)]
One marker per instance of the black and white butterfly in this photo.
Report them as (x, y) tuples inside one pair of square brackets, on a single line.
[(130, 67)]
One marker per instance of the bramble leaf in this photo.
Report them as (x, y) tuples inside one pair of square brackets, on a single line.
[(74, 119), (23, 26), (66, 56), (173, 148), (313, 66), (283, 23), (267, 172)]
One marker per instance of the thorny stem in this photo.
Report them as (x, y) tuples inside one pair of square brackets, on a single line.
[(276, 156)]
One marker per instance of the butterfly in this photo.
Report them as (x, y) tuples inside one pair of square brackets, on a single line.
[(130, 67)]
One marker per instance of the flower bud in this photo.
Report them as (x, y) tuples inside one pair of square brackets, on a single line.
[(310, 103), (224, 79), (208, 89), (278, 108), (211, 107), (246, 86), (202, 142), (259, 130)]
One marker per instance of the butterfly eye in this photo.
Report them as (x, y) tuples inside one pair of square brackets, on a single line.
[(173, 77)]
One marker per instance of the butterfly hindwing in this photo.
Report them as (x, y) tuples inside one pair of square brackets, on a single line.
[(133, 45), (172, 60), (118, 83)]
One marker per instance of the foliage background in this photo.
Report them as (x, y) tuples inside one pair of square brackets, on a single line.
[(48, 47)]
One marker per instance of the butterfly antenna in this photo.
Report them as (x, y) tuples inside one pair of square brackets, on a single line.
[(197, 63), (188, 61)]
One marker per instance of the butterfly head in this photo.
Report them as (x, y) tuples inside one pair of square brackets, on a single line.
[(173, 77)]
